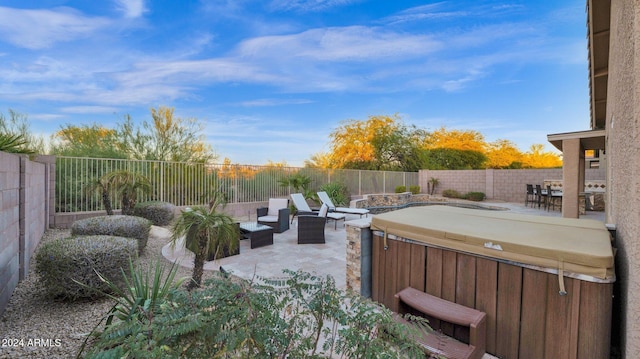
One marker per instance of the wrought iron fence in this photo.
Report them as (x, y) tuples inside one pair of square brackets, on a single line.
[(189, 184)]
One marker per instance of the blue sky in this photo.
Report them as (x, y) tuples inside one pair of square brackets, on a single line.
[(271, 79)]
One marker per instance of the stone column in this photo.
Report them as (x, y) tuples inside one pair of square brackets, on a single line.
[(359, 241)]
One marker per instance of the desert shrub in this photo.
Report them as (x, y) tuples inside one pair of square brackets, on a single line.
[(303, 316), (401, 189), (338, 192), (64, 263), (474, 196), (451, 193), (158, 212), (118, 225), (414, 189)]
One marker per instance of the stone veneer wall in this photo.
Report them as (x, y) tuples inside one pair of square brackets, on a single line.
[(24, 215)]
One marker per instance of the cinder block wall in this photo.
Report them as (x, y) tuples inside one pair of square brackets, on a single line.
[(502, 185), (9, 226), (24, 216), (33, 210)]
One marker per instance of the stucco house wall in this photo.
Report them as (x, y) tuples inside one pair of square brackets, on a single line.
[(623, 172)]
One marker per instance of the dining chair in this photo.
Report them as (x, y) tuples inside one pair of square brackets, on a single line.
[(530, 196)]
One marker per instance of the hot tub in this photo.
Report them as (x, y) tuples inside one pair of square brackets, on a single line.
[(545, 283)]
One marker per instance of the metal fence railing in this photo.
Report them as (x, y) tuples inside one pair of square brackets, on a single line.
[(188, 184)]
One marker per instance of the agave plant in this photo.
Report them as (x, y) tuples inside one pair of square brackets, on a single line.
[(207, 232)]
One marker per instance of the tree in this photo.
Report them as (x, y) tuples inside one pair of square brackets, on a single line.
[(207, 232), (503, 154), (454, 159), (87, 141), (538, 158), (351, 142), (399, 149), (456, 139), (166, 138), (379, 143)]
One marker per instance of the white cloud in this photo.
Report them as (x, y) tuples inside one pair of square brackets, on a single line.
[(89, 109), (308, 5), (131, 8), (353, 43), (38, 29), (274, 102)]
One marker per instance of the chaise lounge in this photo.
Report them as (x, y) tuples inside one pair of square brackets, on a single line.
[(324, 198)]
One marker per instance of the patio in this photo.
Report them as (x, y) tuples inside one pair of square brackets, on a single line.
[(320, 259)]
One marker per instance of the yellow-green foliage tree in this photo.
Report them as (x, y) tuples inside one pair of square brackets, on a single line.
[(86, 141), (503, 154), (538, 158), (351, 142), (467, 140), (166, 138)]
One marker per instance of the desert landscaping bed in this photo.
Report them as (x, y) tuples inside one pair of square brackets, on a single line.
[(36, 326)]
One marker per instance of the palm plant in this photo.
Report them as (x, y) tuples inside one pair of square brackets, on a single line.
[(127, 184), (103, 188), (14, 143), (207, 232)]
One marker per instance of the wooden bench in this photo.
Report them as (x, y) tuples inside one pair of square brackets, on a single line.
[(434, 307)]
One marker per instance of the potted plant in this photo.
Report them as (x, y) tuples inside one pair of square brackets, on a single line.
[(208, 232)]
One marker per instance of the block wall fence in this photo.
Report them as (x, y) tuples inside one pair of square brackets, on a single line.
[(26, 188), (502, 185)]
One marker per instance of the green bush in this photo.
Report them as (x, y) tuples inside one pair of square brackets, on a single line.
[(474, 196), (117, 225), (451, 193), (303, 316), (414, 189), (64, 262), (158, 212), (338, 193), (401, 189)]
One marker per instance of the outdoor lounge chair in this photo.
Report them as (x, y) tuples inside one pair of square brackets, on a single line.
[(276, 215), (324, 198), (302, 207), (311, 226)]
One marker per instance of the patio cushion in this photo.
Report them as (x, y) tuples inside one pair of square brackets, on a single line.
[(323, 210), (268, 218), (580, 246), (276, 204)]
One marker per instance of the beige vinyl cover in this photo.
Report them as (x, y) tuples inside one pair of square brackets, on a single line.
[(576, 245)]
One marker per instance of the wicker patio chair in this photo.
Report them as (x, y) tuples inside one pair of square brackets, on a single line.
[(311, 226), (276, 215)]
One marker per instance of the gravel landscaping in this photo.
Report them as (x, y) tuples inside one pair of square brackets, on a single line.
[(35, 326)]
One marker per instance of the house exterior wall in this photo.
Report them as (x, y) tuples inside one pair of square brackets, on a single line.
[(623, 162)]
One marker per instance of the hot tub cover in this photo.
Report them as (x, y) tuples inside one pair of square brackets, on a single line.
[(576, 245)]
